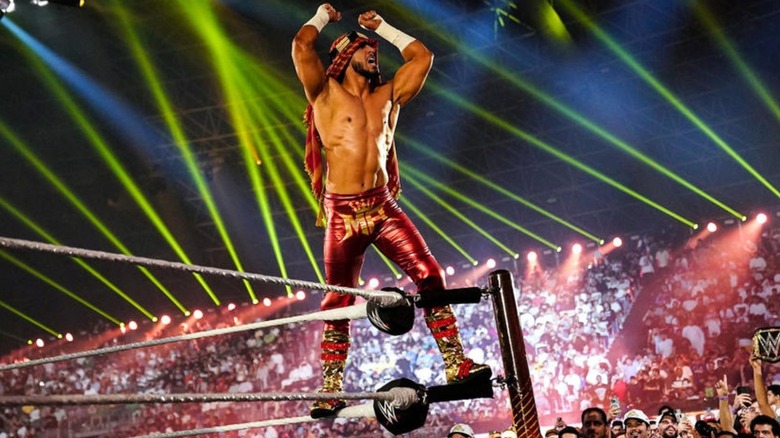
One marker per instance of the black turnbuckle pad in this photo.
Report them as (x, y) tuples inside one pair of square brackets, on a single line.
[(391, 320), (444, 297), (396, 420), (480, 387)]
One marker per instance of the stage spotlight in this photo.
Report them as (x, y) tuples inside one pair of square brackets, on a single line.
[(491, 263), (39, 342), (618, 242), (532, 256), (711, 227), (72, 3), (373, 283), (165, 320), (231, 306), (450, 270), (267, 302), (300, 295), (6, 6), (576, 248), (132, 325), (68, 337), (761, 218), (198, 314)]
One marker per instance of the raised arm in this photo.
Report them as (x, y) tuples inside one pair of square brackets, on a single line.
[(760, 387), (725, 416), (308, 65), (410, 78)]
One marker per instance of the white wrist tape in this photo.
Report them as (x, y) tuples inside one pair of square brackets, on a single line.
[(393, 35), (320, 19)]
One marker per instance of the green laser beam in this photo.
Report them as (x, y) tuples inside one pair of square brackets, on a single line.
[(484, 181), (29, 319), (497, 121), (449, 207), (74, 200), (21, 217), (455, 194), (752, 78), (666, 93), (39, 275), (419, 213), (513, 78)]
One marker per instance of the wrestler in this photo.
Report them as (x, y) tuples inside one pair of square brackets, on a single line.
[(352, 115)]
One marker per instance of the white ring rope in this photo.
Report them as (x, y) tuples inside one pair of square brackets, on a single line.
[(383, 298), (357, 311), (399, 396), (360, 411)]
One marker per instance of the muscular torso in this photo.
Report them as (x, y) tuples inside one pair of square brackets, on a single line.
[(357, 133)]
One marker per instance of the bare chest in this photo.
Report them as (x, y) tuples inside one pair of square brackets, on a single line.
[(348, 117)]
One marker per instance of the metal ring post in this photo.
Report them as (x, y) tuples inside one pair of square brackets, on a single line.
[(510, 339)]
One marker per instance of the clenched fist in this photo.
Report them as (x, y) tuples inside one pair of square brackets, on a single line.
[(369, 20), (333, 14)]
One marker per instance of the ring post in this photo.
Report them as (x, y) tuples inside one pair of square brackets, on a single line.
[(510, 339)]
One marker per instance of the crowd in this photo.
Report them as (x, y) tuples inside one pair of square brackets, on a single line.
[(698, 302)]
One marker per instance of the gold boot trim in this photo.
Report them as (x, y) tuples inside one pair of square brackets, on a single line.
[(335, 347), (458, 368)]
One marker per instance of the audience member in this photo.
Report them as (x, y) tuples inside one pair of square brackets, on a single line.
[(570, 325), (764, 426), (461, 431), (637, 424)]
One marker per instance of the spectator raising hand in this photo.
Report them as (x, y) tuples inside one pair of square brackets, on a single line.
[(760, 387), (726, 417)]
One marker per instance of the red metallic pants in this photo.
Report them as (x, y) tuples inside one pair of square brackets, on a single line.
[(373, 217)]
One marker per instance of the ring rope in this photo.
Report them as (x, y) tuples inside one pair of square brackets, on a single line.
[(388, 299), (360, 411), (398, 396), (357, 311)]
